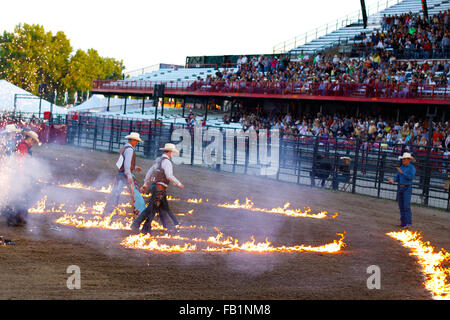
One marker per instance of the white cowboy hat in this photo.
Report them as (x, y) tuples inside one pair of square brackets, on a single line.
[(406, 155), (134, 136), (346, 158), (10, 128), (33, 135), (170, 147)]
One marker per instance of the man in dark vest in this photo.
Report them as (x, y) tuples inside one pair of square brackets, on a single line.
[(126, 166), (16, 210), (159, 177)]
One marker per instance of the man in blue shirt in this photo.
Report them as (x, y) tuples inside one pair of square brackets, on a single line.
[(405, 178)]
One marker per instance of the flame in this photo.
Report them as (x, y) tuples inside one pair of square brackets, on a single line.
[(41, 207), (249, 205), (99, 207), (102, 222), (150, 243), (82, 209), (94, 222), (194, 200), (80, 186), (230, 244), (96, 209), (92, 217), (189, 213), (432, 262), (147, 242)]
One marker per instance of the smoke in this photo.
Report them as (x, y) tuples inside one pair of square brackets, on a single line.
[(18, 179), (243, 225)]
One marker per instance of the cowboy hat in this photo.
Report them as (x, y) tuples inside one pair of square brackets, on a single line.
[(346, 158), (170, 147), (134, 136), (33, 135), (10, 128), (406, 155)]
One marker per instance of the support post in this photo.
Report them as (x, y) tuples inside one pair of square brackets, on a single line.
[(425, 9), (364, 13), (40, 103)]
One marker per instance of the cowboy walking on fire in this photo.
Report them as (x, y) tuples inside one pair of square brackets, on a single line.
[(159, 177), (405, 179), (16, 209), (126, 166)]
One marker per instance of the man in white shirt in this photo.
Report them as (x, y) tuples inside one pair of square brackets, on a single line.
[(126, 166), (159, 176)]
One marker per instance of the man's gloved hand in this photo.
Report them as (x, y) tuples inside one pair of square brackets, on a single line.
[(143, 188)]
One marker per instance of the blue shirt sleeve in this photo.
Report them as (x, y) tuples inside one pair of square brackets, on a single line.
[(408, 173)]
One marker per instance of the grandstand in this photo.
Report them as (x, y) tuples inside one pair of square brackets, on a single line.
[(347, 33), (203, 81)]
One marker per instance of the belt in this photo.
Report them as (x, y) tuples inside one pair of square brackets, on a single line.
[(404, 185), (160, 187)]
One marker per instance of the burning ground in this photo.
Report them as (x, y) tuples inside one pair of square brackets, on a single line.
[(240, 238)]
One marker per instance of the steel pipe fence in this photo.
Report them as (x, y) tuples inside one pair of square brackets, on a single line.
[(354, 166)]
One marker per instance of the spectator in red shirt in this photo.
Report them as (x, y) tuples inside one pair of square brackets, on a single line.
[(437, 136)]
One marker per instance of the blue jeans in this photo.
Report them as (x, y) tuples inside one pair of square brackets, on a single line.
[(120, 182), (404, 204), (149, 213)]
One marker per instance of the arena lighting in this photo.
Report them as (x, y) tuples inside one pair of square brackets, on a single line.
[(364, 13)]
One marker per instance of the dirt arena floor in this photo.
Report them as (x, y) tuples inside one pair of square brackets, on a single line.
[(35, 268)]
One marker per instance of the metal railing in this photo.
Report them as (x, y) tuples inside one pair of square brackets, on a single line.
[(283, 89), (302, 159)]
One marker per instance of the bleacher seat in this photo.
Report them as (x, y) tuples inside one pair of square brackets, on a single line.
[(349, 32)]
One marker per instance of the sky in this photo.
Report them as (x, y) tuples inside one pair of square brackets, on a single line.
[(147, 32)]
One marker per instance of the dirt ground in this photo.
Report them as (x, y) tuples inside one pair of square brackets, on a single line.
[(35, 268)]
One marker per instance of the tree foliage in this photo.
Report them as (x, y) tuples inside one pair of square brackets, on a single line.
[(29, 56)]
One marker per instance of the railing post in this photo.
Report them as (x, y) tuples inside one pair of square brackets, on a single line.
[(298, 159), (95, 134), (335, 181), (79, 131), (314, 159), (355, 165), (378, 178), (426, 185)]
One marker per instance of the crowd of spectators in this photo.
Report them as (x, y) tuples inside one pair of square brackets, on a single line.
[(378, 67), (378, 70), (409, 36), (377, 130)]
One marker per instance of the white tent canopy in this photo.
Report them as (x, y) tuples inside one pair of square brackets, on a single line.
[(26, 103)]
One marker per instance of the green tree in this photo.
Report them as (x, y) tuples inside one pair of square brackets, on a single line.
[(29, 56), (88, 66)]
